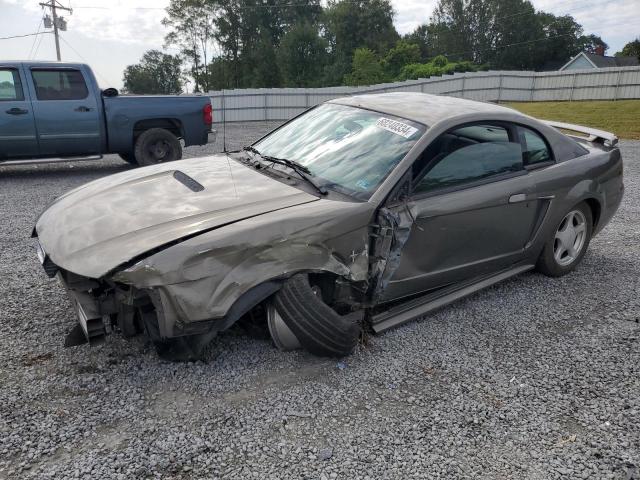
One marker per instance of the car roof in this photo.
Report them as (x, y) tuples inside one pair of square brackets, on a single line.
[(422, 107)]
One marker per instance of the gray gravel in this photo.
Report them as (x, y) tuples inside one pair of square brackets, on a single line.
[(534, 378)]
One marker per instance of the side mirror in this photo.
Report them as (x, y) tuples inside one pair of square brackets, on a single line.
[(110, 92)]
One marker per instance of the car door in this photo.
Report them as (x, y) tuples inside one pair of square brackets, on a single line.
[(17, 128), (66, 113), (474, 209)]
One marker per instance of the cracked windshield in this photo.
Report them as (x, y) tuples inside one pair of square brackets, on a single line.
[(346, 148)]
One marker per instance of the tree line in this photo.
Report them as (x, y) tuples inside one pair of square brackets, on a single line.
[(302, 43)]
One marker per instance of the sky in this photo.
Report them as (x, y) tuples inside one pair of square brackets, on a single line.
[(111, 34)]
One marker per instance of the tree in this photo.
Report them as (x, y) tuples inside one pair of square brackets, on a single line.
[(157, 73), (302, 57), (420, 37), (402, 54), (191, 24), (631, 49), (506, 34), (349, 25), (366, 68), (590, 43), (249, 33)]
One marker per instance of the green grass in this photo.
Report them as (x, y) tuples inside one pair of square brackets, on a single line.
[(621, 117)]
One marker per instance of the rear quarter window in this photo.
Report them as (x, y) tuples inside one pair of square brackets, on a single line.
[(534, 148)]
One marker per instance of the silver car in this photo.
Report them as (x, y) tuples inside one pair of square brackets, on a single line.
[(359, 215)]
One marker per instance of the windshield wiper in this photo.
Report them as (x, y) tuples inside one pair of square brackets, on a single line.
[(301, 170)]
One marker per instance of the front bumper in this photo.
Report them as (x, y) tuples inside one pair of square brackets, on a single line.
[(90, 312)]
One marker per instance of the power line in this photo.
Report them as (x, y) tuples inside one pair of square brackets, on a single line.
[(22, 36), (35, 53), (35, 39), (508, 45), (83, 59)]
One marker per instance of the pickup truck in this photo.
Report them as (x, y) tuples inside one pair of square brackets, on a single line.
[(56, 111)]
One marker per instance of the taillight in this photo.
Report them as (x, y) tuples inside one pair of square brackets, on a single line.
[(207, 114)]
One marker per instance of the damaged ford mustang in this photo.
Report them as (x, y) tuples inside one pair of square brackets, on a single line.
[(361, 214)]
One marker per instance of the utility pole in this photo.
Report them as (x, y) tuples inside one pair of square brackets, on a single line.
[(53, 5)]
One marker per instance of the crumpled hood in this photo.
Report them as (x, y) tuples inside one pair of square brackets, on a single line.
[(103, 224)]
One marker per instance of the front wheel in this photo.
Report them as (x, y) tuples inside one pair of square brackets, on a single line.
[(568, 245), (312, 322), (157, 145)]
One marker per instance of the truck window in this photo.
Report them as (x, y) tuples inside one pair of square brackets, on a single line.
[(55, 84), (10, 86)]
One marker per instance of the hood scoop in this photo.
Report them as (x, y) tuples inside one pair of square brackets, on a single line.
[(187, 181)]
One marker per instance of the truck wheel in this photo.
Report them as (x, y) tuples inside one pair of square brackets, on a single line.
[(128, 157), (318, 328), (157, 145)]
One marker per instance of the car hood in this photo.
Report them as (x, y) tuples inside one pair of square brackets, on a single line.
[(103, 224)]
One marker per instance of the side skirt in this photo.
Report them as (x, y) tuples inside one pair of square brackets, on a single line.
[(418, 307), (37, 161)]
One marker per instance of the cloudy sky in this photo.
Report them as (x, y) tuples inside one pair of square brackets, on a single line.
[(112, 34)]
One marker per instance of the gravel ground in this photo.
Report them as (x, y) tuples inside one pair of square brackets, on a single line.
[(534, 378)]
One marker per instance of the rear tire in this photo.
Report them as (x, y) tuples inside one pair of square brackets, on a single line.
[(157, 145), (568, 243), (317, 326)]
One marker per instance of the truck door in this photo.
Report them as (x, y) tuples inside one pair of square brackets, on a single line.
[(17, 128), (66, 112)]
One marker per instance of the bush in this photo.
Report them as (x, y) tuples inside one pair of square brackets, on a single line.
[(436, 67), (439, 61)]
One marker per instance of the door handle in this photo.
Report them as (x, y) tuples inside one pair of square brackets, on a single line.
[(517, 198), (82, 109), (17, 111)]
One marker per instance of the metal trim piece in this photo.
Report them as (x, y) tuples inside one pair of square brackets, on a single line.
[(37, 161)]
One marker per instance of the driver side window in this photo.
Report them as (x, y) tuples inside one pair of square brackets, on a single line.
[(467, 155)]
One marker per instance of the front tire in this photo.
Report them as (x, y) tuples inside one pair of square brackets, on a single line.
[(318, 328), (567, 246), (157, 145)]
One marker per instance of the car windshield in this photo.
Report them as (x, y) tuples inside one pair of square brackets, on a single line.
[(345, 148)]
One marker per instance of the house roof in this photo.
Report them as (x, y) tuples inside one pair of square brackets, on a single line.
[(602, 61)]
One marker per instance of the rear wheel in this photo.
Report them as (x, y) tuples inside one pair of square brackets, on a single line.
[(157, 145), (568, 245)]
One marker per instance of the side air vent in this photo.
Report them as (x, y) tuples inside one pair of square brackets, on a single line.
[(187, 181)]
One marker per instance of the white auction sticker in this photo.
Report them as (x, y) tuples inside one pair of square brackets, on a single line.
[(396, 127)]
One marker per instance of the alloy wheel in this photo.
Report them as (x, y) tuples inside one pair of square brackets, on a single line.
[(570, 238)]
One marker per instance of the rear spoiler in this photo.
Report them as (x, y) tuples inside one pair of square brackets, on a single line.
[(596, 136)]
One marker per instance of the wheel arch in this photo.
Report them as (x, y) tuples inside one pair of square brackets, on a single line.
[(596, 210), (173, 125)]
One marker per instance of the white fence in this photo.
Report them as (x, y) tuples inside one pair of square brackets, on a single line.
[(494, 86)]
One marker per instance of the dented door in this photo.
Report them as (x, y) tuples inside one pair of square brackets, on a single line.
[(459, 235)]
